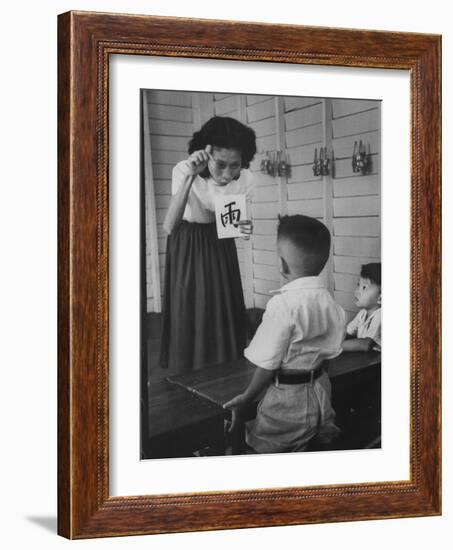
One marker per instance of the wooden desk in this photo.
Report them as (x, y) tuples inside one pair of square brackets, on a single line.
[(221, 383), (356, 398), (355, 378), (180, 422), (352, 362)]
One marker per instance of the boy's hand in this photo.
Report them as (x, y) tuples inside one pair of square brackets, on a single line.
[(198, 160), (237, 405), (246, 229)]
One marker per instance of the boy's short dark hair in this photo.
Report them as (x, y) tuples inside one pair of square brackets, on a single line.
[(372, 272), (227, 133), (310, 236)]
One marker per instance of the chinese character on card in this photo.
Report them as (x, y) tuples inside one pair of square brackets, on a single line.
[(229, 210)]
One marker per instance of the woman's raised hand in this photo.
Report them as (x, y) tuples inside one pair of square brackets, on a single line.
[(198, 160)]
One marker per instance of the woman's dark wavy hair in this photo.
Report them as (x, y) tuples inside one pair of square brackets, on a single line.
[(227, 133)]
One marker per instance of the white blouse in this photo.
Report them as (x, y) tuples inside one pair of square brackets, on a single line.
[(200, 202)]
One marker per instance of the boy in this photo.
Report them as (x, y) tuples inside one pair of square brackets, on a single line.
[(301, 327), (363, 333)]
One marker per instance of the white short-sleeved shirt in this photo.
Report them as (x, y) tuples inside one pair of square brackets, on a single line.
[(302, 326), (363, 326), (200, 202)]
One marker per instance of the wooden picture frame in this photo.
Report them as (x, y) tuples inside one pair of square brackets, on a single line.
[(85, 41)]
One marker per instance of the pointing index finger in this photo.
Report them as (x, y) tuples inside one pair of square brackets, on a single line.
[(208, 150)]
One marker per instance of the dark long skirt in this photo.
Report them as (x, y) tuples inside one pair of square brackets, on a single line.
[(204, 320)]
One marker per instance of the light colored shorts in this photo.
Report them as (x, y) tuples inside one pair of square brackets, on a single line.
[(289, 416)]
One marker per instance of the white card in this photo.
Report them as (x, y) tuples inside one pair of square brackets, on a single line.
[(229, 210)]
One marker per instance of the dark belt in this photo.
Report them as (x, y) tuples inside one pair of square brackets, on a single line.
[(283, 377)]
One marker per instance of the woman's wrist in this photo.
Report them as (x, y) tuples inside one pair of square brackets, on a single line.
[(189, 179)]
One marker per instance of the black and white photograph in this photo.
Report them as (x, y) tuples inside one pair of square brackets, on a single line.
[(260, 274), (198, 198)]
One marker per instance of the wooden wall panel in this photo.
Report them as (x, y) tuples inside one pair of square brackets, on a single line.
[(305, 190), (302, 118), (355, 246), (358, 227), (351, 264), (356, 197), (356, 124), (369, 205), (261, 115), (267, 143), (162, 187), (292, 103), (343, 167), (163, 201), (226, 105), (312, 134), (346, 301), (343, 107), (168, 157), (266, 272), (344, 146), (266, 193), (262, 110), (355, 186), (345, 282), (261, 300), (303, 154), (165, 97), (303, 173), (313, 207), (265, 211), (264, 242), (303, 132), (169, 143), (171, 127), (253, 99), (264, 127), (170, 112), (265, 287), (265, 227), (264, 258)]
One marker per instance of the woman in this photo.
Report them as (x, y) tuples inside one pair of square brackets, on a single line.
[(204, 319)]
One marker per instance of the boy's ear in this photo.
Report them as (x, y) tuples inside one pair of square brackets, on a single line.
[(379, 300), (284, 269)]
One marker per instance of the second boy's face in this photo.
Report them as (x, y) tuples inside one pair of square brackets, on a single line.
[(225, 165), (367, 294)]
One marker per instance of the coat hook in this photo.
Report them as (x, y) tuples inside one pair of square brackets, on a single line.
[(267, 165), (274, 164), (283, 166), (325, 162), (321, 163), (316, 164), (361, 160)]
